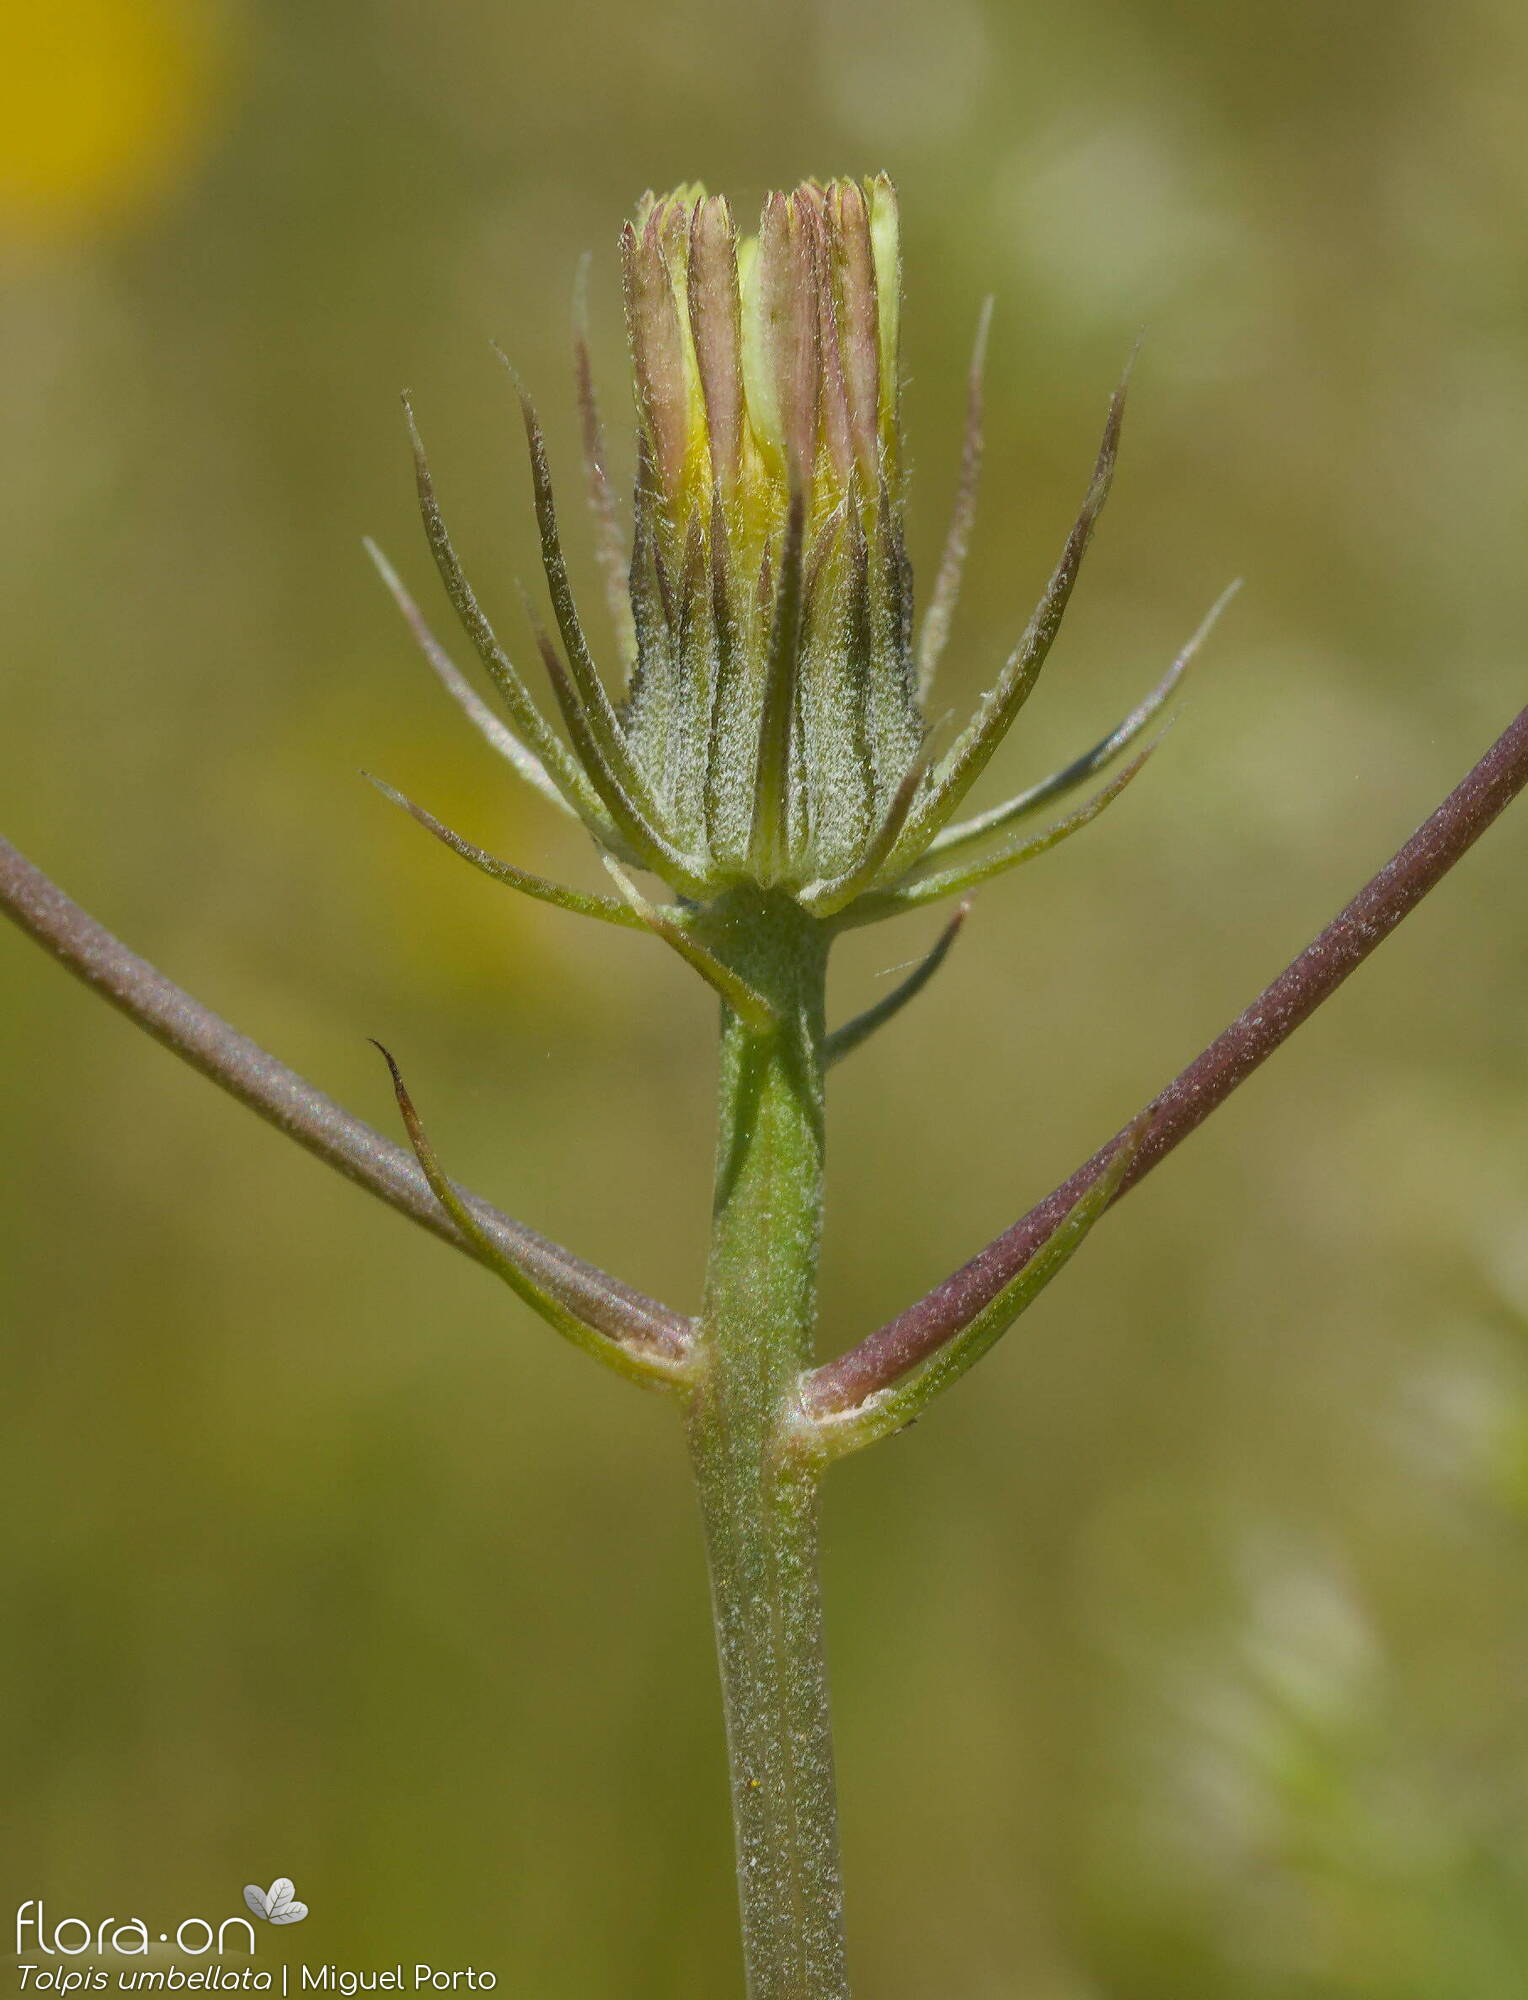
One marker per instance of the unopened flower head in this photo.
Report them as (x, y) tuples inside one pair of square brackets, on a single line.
[(766, 364), (762, 727), (769, 564)]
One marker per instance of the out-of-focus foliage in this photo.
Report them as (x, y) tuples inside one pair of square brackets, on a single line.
[(1181, 1656)]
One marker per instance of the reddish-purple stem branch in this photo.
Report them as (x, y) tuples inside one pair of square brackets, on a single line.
[(882, 1357), (304, 1113)]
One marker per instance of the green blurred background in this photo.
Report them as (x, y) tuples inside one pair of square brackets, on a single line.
[(1184, 1654)]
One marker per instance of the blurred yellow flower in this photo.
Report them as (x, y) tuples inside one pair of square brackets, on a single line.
[(103, 107)]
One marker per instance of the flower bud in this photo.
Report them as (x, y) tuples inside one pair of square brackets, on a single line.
[(771, 733), (765, 373)]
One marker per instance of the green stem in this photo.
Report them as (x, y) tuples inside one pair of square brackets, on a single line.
[(758, 1487)]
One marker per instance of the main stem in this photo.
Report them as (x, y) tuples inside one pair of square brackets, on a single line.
[(758, 1486)]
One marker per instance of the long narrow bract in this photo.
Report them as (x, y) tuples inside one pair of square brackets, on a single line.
[(652, 1370), (455, 682)]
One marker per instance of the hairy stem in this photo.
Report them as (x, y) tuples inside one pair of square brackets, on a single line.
[(758, 1487)]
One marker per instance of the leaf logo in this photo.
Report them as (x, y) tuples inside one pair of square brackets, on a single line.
[(276, 1904)]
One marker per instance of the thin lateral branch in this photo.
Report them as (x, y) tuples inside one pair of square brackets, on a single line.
[(315, 1121), (633, 1362), (462, 692), (909, 1339), (606, 908), (935, 632), (892, 1409), (845, 1040), (969, 831)]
